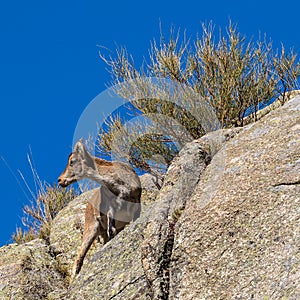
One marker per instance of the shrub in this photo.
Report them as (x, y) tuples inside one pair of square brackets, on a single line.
[(46, 202), (231, 76), (39, 215)]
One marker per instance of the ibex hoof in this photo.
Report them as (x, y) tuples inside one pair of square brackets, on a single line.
[(111, 233), (72, 278), (75, 271)]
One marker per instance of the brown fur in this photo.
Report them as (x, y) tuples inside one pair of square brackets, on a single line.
[(95, 225), (114, 205)]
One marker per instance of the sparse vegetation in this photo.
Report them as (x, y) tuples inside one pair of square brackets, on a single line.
[(39, 214), (223, 75), (46, 202)]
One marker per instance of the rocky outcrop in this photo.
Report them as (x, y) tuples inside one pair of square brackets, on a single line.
[(131, 266), (225, 225), (242, 241), (30, 271), (150, 189), (38, 270)]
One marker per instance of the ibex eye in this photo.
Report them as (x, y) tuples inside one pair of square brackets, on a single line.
[(72, 161)]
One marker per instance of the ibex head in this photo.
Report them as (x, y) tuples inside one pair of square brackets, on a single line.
[(79, 164)]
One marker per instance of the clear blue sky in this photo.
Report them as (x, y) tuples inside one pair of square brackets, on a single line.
[(50, 69)]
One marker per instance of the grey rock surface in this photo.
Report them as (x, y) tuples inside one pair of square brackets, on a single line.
[(244, 242), (29, 271), (224, 225)]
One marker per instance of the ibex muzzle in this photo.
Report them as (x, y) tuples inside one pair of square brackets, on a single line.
[(68, 176)]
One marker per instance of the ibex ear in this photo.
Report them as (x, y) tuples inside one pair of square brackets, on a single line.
[(85, 155), (79, 148)]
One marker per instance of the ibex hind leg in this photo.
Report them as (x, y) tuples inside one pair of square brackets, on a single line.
[(111, 226)]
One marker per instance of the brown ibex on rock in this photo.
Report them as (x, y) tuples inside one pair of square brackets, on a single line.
[(111, 207)]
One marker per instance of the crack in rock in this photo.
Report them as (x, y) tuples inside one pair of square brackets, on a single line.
[(287, 183), (128, 284)]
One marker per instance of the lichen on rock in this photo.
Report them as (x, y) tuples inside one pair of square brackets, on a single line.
[(224, 225)]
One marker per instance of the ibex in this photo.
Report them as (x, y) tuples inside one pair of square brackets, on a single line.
[(113, 206)]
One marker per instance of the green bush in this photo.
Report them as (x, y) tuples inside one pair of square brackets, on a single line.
[(228, 73)]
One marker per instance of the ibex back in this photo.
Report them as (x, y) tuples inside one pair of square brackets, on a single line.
[(113, 206)]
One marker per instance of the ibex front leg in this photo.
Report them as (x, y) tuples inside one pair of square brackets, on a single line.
[(92, 229), (88, 239)]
